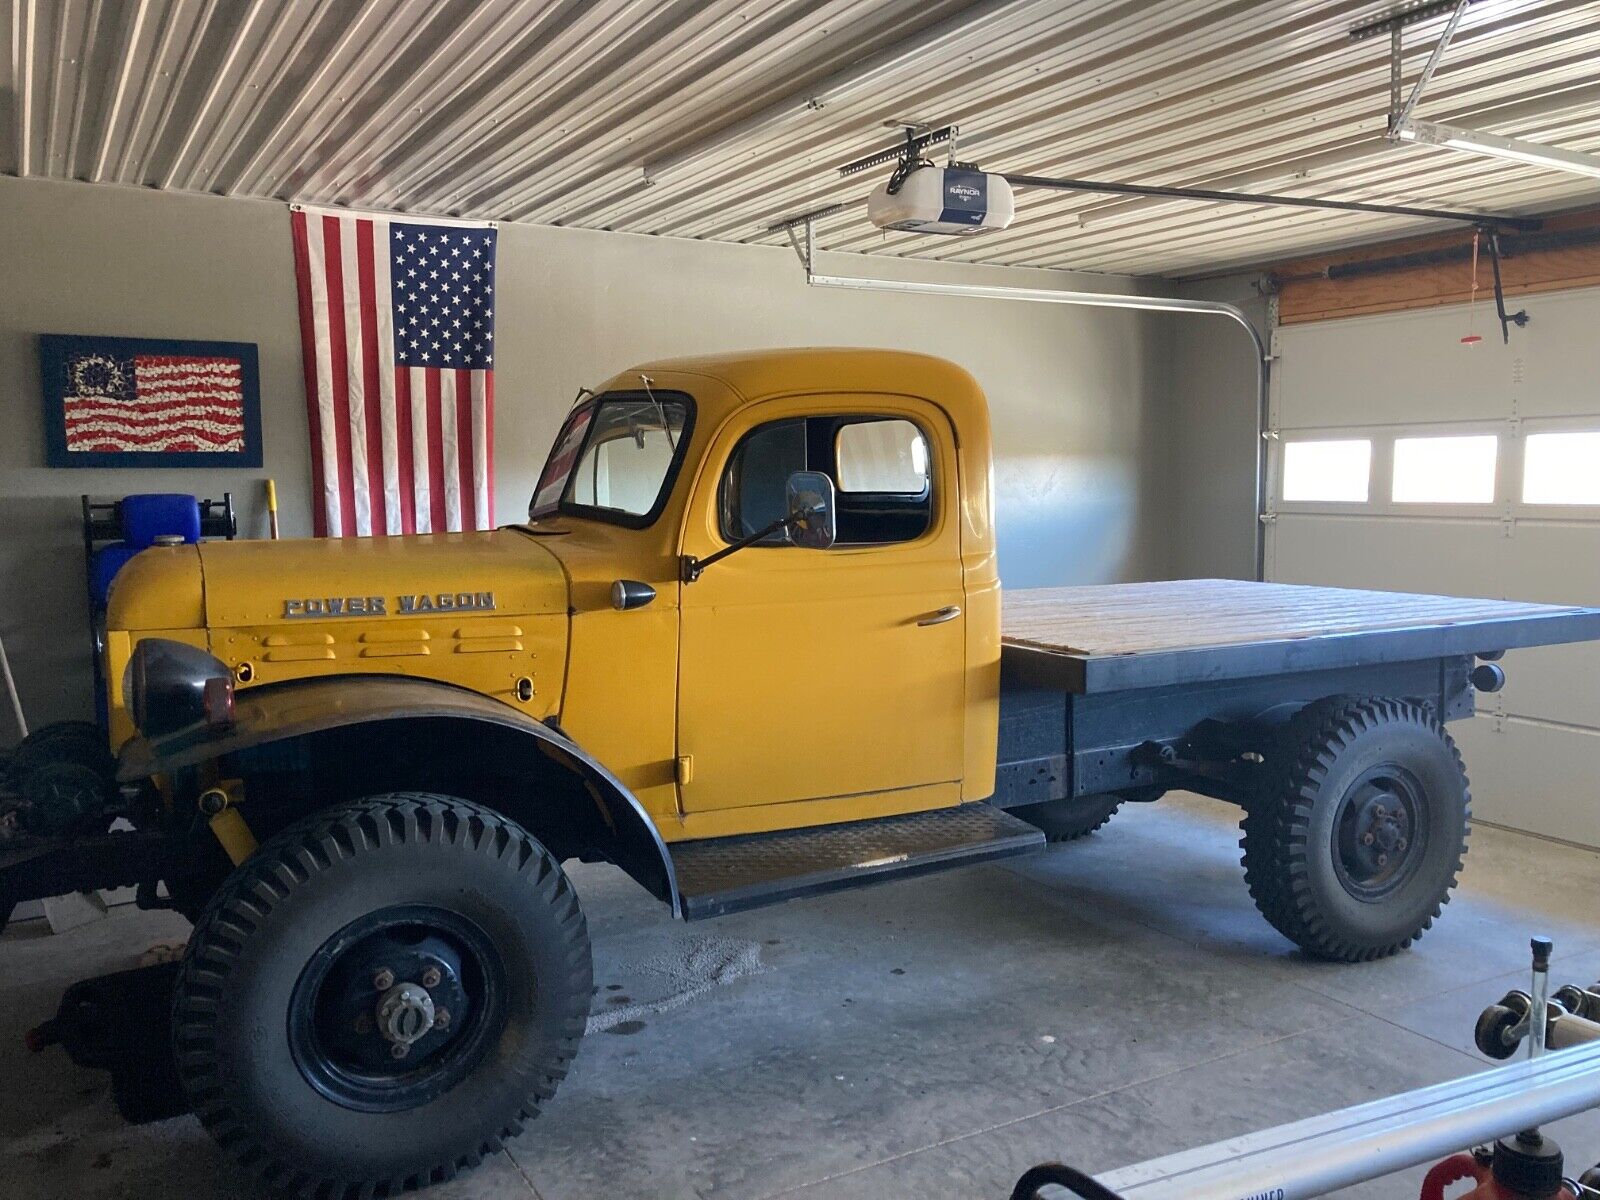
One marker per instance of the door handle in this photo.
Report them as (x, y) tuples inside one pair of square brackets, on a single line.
[(948, 613)]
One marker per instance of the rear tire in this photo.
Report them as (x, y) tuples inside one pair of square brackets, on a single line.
[(1355, 842), (345, 937), (1069, 820)]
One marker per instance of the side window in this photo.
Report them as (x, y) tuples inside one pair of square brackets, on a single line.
[(753, 488), (879, 465), (890, 457)]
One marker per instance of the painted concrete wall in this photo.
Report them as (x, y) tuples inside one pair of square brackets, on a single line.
[(1071, 389), (1203, 515)]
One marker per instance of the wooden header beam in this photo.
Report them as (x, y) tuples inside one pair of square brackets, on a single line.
[(1307, 294)]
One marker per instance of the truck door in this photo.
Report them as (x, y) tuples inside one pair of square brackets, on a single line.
[(813, 674)]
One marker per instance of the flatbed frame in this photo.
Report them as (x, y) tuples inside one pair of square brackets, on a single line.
[(1142, 687)]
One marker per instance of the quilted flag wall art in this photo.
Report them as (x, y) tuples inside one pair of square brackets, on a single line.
[(145, 402)]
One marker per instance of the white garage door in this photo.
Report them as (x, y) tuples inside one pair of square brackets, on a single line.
[(1409, 461)]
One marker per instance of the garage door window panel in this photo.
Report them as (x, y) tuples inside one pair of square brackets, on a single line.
[(1445, 470), (1327, 471), (1562, 468)]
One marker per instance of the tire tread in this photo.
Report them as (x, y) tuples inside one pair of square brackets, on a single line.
[(1061, 826)]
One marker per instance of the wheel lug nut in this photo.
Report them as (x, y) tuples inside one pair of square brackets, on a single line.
[(1383, 860), (1400, 845), (431, 977), (383, 980), (441, 1017), (1367, 839), (399, 1050)]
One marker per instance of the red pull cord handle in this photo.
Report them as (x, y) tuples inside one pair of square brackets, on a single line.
[(1447, 1171)]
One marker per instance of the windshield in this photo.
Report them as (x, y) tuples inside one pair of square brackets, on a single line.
[(614, 459)]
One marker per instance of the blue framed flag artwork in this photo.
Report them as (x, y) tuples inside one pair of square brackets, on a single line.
[(149, 402)]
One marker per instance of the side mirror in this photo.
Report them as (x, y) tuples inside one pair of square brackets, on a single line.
[(811, 510), (808, 522)]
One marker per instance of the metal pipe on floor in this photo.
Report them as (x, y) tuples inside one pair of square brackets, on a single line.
[(1540, 992), (1097, 300), (1340, 1149)]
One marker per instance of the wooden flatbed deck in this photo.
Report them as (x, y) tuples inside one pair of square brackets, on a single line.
[(1115, 636)]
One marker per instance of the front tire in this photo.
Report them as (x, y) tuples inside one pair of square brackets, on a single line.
[(1356, 841), (406, 920)]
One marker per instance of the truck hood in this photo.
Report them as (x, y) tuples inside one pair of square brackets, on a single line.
[(265, 582)]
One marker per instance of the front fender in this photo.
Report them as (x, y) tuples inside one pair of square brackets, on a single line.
[(285, 711)]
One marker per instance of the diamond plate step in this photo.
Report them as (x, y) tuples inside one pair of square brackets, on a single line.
[(723, 875)]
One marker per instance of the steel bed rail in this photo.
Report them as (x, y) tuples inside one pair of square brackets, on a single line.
[(1339, 1149)]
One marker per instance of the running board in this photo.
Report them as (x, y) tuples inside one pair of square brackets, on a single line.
[(724, 875)]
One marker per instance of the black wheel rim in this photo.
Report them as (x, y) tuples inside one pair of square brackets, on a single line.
[(412, 976), (1380, 832)]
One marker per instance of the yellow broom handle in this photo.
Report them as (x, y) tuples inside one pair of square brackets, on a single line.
[(272, 508)]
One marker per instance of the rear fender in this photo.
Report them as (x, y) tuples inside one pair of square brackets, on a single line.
[(375, 720)]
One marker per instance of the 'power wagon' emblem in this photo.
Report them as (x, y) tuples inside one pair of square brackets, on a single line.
[(322, 607)]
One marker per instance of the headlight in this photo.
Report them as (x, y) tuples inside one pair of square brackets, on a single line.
[(171, 686)]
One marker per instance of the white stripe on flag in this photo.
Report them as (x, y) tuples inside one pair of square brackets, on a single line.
[(143, 365), (480, 448), (329, 450), (452, 450), (391, 428), (355, 373), (419, 448)]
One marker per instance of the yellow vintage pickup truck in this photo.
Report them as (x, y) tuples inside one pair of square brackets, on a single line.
[(747, 646)]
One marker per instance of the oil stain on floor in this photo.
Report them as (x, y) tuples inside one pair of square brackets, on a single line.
[(672, 977)]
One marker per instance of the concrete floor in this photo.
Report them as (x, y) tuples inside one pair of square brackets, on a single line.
[(1103, 1002)]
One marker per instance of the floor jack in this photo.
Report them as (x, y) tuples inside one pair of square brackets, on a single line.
[(1572, 1018), (1498, 1111), (117, 1023)]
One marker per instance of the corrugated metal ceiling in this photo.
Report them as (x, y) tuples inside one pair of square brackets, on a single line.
[(547, 112)]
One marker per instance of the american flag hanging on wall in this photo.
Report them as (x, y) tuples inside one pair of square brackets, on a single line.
[(397, 329)]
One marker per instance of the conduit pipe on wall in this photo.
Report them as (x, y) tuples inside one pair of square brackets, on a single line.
[(1174, 304)]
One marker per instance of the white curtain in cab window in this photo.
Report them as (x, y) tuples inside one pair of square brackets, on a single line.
[(882, 456), (1445, 470), (1561, 468), (1328, 472)]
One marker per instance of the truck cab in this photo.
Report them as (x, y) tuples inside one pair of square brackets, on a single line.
[(785, 686)]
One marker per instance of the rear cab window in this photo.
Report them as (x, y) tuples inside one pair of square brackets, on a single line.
[(880, 466)]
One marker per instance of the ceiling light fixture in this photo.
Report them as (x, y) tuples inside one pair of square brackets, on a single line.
[(1493, 145), (1404, 127)]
